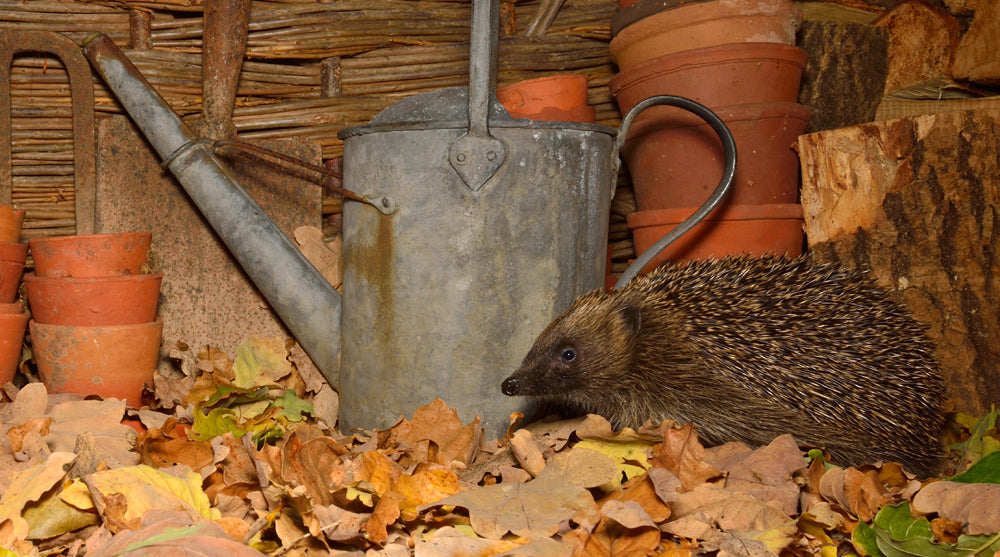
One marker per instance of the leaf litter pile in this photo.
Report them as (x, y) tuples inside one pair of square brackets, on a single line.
[(239, 458)]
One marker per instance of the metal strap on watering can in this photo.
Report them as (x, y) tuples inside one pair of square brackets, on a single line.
[(725, 184), (477, 155)]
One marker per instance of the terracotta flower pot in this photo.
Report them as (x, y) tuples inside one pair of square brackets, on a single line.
[(11, 220), (13, 251), (705, 24), (108, 361), (115, 300), (95, 255), (12, 325), (726, 75), (10, 280), (13, 307), (561, 98), (675, 159), (749, 229)]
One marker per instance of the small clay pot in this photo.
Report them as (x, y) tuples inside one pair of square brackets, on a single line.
[(561, 98), (115, 300), (13, 251), (108, 361), (13, 307), (10, 280), (717, 76), (11, 220), (676, 160), (705, 24), (12, 325), (94, 255), (755, 230)]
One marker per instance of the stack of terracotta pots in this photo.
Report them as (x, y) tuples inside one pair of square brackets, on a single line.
[(94, 329), (13, 319), (738, 58)]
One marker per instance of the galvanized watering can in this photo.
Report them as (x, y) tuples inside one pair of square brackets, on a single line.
[(476, 231)]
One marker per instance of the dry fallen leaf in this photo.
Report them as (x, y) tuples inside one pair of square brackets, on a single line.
[(681, 453), (855, 491), (976, 506), (533, 510)]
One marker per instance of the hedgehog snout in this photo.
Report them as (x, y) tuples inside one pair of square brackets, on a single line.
[(510, 386)]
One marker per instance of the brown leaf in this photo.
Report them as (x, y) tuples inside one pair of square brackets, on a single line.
[(386, 512), (314, 464), (698, 512), (160, 449), (38, 426), (858, 492), (337, 524), (535, 509), (681, 453), (527, 453), (440, 424), (582, 467), (946, 531), (766, 473), (641, 491), (626, 529), (167, 534), (976, 506)]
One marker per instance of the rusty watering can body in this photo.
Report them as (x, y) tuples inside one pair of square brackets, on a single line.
[(445, 295)]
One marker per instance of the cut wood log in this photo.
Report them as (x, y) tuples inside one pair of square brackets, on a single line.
[(977, 58), (845, 74), (917, 201), (922, 42)]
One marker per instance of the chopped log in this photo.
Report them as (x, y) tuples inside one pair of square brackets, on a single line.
[(977, 58), (845, 75), (917, 201), (922, 41)]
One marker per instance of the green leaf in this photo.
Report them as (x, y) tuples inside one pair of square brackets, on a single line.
[(986, 471), (982, 440), (293, 407), (864, 536), (898, 534), (217, 422)]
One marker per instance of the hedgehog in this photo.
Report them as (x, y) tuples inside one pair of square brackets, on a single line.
[(747, 349)]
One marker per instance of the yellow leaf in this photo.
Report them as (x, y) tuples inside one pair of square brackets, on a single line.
[(261, 362), (629, 455), (424, 487), (78, 495), (27, 486), (145, 488)]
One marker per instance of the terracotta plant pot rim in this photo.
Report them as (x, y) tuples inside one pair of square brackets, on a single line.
[(13, 307), (32, 277), (768, 211), (708, 56), (13, 251), (75, 238), (155, 324), (729, 114)]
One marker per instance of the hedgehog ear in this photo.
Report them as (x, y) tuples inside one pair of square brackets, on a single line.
[(631, 318)]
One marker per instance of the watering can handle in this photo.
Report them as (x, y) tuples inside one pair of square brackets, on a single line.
[(477, 155), (725, 184)]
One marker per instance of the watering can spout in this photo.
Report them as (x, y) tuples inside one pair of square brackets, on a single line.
[(305, 301)]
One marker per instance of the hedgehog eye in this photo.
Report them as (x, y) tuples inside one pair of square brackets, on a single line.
[(568, 355)]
